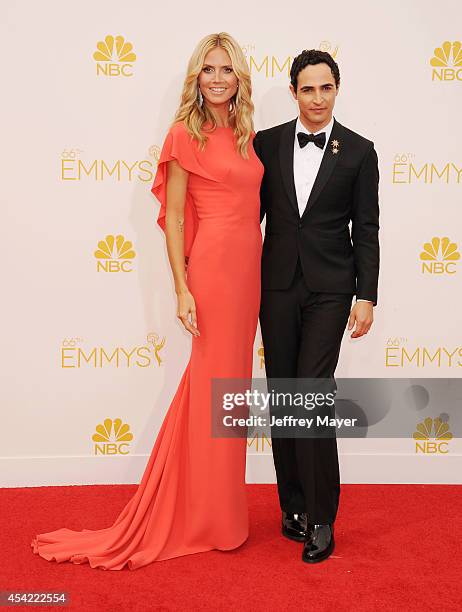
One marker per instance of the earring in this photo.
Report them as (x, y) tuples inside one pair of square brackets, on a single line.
[(200, 99), (233, 101)]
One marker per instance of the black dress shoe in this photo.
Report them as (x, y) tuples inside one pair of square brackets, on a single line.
[(294, 526), (319, 543)]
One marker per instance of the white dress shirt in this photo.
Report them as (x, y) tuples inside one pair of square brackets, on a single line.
[(307, 161)]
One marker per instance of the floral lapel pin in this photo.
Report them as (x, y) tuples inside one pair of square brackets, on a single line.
[(335, 146)]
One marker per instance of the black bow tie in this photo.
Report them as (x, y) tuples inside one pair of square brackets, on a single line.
[(318, 139)]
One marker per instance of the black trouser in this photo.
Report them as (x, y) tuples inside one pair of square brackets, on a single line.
[(302, 332)]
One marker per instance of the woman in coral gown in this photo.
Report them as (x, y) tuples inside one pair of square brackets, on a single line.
[(192, 495)]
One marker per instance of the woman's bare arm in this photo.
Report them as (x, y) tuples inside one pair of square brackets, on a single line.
[(177, 182)]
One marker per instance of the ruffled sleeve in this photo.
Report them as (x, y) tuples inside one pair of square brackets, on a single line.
[(178, 145)]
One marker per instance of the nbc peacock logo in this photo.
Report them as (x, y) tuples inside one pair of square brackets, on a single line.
[(114, 254), (111, 438), (439, 256), (447, 62), (114, 57), (432, 436)]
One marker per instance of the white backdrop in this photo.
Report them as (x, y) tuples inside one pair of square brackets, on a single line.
[(80, 137)]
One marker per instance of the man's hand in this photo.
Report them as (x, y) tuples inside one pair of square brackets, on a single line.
[(362, 314)]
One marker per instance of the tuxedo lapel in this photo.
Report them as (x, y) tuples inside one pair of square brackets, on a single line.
[(286, 160), (329, 160)]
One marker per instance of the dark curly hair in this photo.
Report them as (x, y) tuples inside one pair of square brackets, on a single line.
[(310, 58)]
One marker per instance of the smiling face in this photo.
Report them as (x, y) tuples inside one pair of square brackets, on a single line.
[(315, 95), (217, 79)]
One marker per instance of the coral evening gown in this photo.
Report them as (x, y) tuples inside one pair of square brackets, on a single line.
[(192, 495)]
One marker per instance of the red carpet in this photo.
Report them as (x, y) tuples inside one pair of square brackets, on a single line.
[(398, 547)]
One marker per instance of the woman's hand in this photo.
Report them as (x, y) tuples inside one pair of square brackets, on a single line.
[(187, 312)]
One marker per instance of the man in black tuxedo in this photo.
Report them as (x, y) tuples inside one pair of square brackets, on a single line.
[(319, 176)]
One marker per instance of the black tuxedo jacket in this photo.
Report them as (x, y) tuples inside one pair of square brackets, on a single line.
[(346, 188)]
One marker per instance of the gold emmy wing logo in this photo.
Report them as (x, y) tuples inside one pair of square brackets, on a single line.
[(154, 152), (272, 66), (432, 436), (399, 353), (439, 256), (447, 62), (111, 437), (76, 356), (327, 46), (261, 354), (406, 171), (156, 345), (114, 57), (74, 168), (114, 254)]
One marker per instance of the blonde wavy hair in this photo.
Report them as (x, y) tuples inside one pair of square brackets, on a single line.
[(194, 115)]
